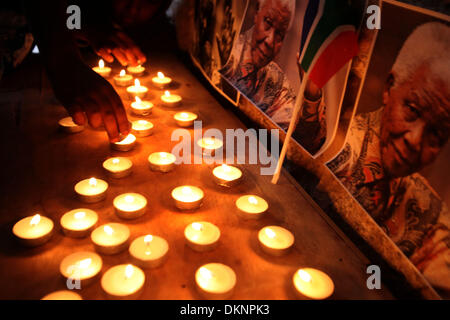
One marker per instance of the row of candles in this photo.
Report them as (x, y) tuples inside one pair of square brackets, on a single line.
[(213, 280)]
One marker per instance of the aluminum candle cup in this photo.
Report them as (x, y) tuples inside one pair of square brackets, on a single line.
[(202, 236), (101, 69), (142, 128), (137, 90), (91, 190), (161, 81), (275, 240), (170, 100), (162, 161), (118, 167), (141, 108), (136, 71), (78, 223), (210, 145), (312, 284), (83, 266), (67, 125), (34, 230), (62, 295), (123, 282), (185, 119), (187, 197), (227, 176), (251, 207), (215, 281), (124, 145), (110, 238), (130, 205), (123, 79), (149, 251)]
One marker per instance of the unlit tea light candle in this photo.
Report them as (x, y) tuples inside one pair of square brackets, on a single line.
[(91, 190), (171, 100), (118, 167), (185, 118), (62, 295), (125, 144), (226, 175), (162, 161), (142, 128), (34, 230), (141, 108), (251, 206), (130, 205), (161, 81), (275, 240), (210, 145), (136, 71), (110, 238), (123, 79), (137, 90), (83, 266), (312, 284), (67, 125), (149, 251), (215, 281), (124, 281), (202, 236), (78, 223), (187, 197), (101, 69)]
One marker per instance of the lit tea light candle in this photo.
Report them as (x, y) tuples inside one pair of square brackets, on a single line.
[(149, 251), (137, 90), (215, 281), (118, 167), (185, 119), (161, 81), (125, 144), (78, 223), (171, 100), (62, 295), (312, 284), (101, 69), (142, 128), (251, 206), (136, 71), (67, 125), (110, 238), (162, 161), (187, 197), (141, 108), (34, 230), (82, 266), (91, 190), (226, 175), (124, 281), (275, 240), (123, 79), (130, 205), (202, 236), (210, 145)]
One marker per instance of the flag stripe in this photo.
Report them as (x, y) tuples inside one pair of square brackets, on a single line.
[(319, 12), (311, 18)]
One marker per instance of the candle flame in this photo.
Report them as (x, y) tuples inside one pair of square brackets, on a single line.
[(129, 139), (101, 63), (137, 83), (142, 122), (226, 167), (270, 233), (108, 230), (197, 226), (129, 271), (129, 198), (163, 155), (205, 273), (304, 275), (92, 182), (148, 238), (138, 100), (80, 215), (186, 190), (85, 263), (115, 161), (122, 73), (167, 93), (209, 141), (160, 75), (252, 200), (184, 115), (35, 220)]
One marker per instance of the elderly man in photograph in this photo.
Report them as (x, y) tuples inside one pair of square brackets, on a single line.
[(385, 149)]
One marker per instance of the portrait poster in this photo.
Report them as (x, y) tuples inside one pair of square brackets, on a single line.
[(265, 70), (394, 161), (217, 24)]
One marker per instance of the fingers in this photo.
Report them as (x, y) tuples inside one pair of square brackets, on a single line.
[(77, 114), (105, 54), (120, 114), (120, 56), (93, 113)]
